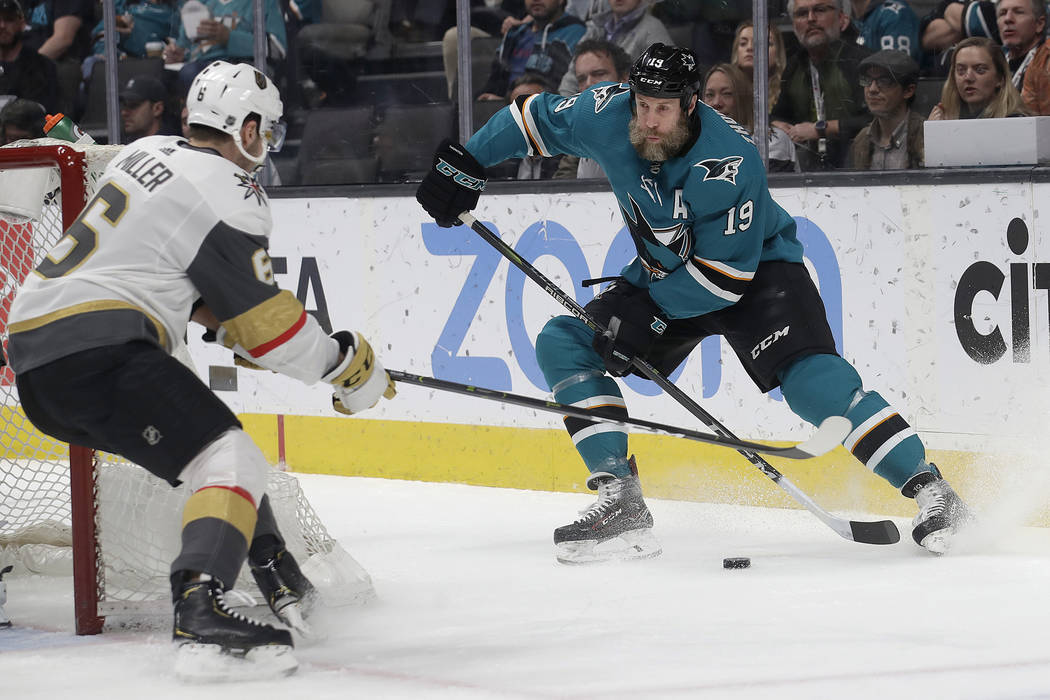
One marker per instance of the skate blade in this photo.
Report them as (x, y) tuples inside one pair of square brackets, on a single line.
[(293, 616), (939, 542), (210, 663), (635, 544), (942, 541)]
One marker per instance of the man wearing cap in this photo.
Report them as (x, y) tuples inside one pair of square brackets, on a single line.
[(142, 102), (24, 72), (893, 140)]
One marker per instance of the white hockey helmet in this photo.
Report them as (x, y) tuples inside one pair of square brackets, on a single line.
[(223, 94)]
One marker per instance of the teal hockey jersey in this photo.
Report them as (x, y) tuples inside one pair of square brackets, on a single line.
[(701, 222)]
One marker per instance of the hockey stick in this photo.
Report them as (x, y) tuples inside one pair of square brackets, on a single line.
[(831, 432), (878, 532)]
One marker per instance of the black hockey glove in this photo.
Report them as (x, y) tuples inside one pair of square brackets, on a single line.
[(633, 328), (452, 186)]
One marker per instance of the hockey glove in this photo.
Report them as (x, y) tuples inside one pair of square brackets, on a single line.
[(452, 186), (359, 379), (632, 330)]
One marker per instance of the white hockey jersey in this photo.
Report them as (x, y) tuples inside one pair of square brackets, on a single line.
[(169, 225)]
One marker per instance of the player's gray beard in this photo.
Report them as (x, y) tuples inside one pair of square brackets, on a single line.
[(666, 147)]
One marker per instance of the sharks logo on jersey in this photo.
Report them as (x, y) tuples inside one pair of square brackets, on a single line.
[(604, 95), (721, 168), (678, 239)]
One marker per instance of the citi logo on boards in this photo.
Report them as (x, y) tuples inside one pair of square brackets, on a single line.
[(989, 346)]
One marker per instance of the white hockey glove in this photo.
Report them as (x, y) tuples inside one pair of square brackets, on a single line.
[(359, 379)]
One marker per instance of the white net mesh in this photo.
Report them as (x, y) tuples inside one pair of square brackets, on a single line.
[(138, 516)]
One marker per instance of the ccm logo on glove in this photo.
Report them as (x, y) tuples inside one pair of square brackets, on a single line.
[(460, 178)]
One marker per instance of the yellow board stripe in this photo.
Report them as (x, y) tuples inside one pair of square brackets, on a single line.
[(224, 504), (544, 459)]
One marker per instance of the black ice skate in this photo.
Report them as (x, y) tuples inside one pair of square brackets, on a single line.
[(616, 526), (216, 643), (941, 512), (288, 592)]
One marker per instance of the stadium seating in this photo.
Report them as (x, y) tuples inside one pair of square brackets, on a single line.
[(407, 136)]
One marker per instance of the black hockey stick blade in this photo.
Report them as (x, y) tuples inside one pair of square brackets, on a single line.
[(879, 532), (831, 432)]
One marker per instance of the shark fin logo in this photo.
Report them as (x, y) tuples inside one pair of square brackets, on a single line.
[(604, 95), (721, 168)]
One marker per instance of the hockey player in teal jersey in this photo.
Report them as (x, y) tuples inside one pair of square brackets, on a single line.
[(716, 256)]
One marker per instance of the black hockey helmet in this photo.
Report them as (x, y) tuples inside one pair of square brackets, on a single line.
[(665, 71)]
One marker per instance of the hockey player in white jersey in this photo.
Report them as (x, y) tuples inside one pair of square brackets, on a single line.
[(178, 229)]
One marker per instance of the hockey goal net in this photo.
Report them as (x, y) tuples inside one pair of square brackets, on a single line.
[(65, 509)]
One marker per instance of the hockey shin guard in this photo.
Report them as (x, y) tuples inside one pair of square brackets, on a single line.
[(818, 386), (576, 375)]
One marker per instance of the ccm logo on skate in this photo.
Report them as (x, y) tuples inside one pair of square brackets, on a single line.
[(989, 346), (769, 340)]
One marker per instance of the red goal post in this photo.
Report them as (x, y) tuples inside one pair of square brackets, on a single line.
[(43, 187)]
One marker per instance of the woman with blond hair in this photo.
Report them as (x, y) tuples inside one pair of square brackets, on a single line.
[(978, 85), (726, 89), (743, 57)]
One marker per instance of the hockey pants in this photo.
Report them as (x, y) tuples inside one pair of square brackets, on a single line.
[(814, 386)]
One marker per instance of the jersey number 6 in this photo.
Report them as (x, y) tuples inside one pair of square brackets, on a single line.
[(81, 239)]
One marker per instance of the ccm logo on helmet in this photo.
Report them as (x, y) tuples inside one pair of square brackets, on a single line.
[(769, 340)]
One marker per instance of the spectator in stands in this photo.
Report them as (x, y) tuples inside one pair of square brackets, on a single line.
[(225, 33), (951, 22), (743, 56), (533, 167), (1021, 25), (21, 119), (1036, 89), (600, 61), (888, 24), (138, 23), (821, 106), (894, 139), (484, 21), (596, 61), (627, 24), (419, 20), (585, 9), (727, 89), (60, 29), (979, 86), (143, 108), (542, 46), (23, 71)]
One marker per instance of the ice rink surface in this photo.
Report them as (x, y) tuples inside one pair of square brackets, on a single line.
[(471, 604)]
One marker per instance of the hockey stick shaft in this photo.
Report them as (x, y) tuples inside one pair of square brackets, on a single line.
[(825, 439), (882, 532)]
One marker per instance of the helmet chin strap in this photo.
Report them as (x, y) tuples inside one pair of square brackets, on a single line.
[(257, 161)]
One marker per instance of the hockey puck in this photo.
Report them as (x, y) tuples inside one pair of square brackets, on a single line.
[(736, 563)]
